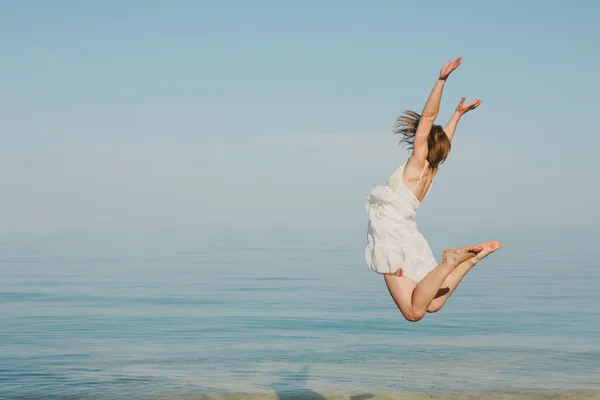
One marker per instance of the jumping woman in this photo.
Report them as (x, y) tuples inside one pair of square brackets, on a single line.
[(395, 247)]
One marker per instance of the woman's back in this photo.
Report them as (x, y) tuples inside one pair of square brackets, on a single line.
[(417, 180)]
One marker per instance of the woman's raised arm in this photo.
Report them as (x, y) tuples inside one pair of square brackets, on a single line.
[(430, 111), (461, 109)]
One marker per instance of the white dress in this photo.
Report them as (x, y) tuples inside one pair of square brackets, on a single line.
[(393, 239)]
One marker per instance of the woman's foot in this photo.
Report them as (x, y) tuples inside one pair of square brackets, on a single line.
[(487, 249), (456, 256)]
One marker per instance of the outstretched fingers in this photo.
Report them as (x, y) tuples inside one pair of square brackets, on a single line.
[(473, 105), (462, 108), (449, 67)]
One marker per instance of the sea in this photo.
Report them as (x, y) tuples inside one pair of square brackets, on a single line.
[(290, 315)]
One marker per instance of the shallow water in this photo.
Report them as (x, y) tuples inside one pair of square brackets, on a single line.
[(109, 316)]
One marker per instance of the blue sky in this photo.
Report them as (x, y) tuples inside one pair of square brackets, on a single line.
[(203, 115)]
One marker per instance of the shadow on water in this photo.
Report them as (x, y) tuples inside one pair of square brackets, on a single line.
[(293, 386)]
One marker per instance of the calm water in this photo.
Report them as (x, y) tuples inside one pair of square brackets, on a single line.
[(130, 317)]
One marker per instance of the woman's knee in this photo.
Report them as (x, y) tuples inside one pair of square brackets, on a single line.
[(413, 315)]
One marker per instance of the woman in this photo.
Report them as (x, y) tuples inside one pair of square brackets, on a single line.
[(396, 248)]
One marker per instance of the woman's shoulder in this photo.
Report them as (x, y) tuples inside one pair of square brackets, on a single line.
[(415, 167)]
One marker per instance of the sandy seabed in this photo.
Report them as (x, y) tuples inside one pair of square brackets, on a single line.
[(390, 395)]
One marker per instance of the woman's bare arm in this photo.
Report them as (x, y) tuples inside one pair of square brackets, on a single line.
[(430, 112), (450, 127), (461, 110)]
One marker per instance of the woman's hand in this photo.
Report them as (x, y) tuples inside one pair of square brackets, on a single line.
[(449, 68), (463, 108)]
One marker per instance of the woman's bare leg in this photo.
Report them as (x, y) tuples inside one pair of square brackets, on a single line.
[(456, 276), (414, 299)]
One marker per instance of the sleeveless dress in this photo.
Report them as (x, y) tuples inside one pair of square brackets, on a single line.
[(393, 239)]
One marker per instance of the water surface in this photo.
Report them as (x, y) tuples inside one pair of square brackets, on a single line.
[(98, 316)]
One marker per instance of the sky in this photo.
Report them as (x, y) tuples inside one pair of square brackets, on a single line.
[(235, 115)]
